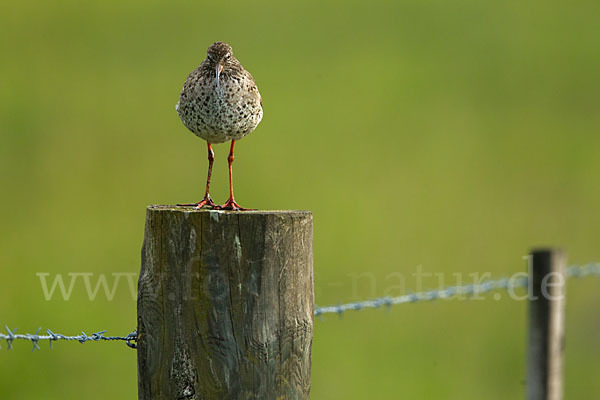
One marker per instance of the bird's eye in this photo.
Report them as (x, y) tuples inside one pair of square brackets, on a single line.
[(227, 56)]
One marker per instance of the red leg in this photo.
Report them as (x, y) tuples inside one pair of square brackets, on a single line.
[(230, 204), (206, 201)]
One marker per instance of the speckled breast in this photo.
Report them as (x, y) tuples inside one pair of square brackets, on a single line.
[(220, 112)]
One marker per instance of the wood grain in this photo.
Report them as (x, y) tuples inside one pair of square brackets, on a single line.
[(225, 304)]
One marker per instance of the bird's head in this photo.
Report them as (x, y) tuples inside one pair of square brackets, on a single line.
[(220, 57)]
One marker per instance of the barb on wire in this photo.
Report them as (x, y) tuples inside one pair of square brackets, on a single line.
[(577, 271), (130, 340)]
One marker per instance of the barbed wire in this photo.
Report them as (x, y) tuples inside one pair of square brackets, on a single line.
[(53, 337), (582, 271), (574, 271)]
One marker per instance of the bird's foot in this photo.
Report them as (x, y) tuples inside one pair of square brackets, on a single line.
[(230, 204), (206, 201)]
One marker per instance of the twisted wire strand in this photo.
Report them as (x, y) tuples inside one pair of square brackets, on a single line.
[(574, 271), (583, 271), (130, 340)]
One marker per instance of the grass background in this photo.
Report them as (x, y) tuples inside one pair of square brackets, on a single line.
[(452, 135)]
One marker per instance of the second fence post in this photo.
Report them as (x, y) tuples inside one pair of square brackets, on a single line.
[(546, 325), (225, 305)]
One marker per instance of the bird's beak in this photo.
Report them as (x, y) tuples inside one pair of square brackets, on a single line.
[(218, 69)]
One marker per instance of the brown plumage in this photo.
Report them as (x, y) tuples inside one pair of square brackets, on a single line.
[(220, 102)]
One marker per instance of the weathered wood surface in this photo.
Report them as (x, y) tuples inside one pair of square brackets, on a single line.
[(225, 304), (546, 325)]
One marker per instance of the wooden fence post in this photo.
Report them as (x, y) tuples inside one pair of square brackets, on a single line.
[(546, 325), (225, 304)]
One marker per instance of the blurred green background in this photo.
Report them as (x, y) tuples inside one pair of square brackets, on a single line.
[(452, 135)]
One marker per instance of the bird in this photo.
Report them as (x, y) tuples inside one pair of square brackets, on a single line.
[(220, 102)]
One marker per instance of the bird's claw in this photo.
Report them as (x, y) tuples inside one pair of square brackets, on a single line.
[(232, 206), (206, 201)]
